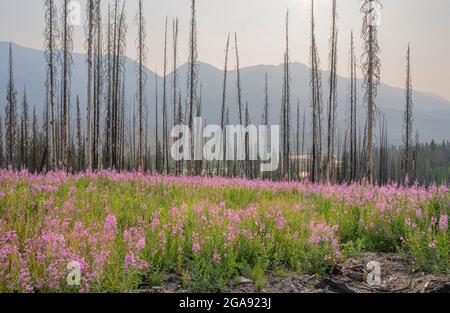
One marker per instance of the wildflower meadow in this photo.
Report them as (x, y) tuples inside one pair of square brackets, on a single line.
[(130, 229)]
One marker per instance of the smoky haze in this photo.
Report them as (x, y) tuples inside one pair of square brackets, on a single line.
[(260, 26)]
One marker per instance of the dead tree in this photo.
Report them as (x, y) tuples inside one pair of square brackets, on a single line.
[(332, 98), (165, 115), (353, 150), (239, 98), (11, 114), (371, 69), (285, 109), (34, 141), (66, 48), (89, 27), (24, 124), (198, 164), (265, 114), (80, 155), (108, 97), (316, 99), (157, 143), (51, 35), (98, 85), (192, 79), (224, 104), (302, 168), (142, 78), (175, 80), (408, 120), (119, 47)]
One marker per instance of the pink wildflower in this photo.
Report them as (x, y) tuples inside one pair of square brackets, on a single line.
[(443, 222), (196, 247)]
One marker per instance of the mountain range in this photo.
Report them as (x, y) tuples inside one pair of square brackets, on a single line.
[(431, 112)]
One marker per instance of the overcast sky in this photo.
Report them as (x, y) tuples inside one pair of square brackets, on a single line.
[(260, 26)]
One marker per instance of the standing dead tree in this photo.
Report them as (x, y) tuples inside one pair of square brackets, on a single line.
[(192, 80), (34, 141), (352, 134), (165, 109), (89, 29), (11, 114), (142, 78), (316, 99), (24, 124), (265, 114), (285, 108), (118, 97), (66, 48), (157, 143), (239, 97), (51, 35), (383, 162), (175, 80), (224, 103), (371, 68), (408, 120), (98, 85), (80, 154), (332, 99)]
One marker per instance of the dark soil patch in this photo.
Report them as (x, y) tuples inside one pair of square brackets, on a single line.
[(348, 277)]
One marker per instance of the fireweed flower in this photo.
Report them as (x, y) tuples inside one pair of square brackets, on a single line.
[(432, 244), (216, 257), (443, 222), (196, 247)]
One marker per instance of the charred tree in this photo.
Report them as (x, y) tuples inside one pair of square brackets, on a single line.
[(332, 98), (192, 79), (408, 121), (371, 68), (11, 114), (316, 100)]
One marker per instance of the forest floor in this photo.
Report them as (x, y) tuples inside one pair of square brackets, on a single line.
[(347, 277)]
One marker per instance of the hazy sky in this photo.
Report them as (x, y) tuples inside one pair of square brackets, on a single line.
[(260, 27)]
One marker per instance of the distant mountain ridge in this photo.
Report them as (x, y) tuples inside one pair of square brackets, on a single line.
[(431, 112)]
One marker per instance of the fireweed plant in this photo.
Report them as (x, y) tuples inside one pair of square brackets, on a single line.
[(129, 230)]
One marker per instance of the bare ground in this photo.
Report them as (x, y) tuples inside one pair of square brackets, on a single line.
[(348, 277)]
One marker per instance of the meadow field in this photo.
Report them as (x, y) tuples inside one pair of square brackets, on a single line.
[(130, 229)]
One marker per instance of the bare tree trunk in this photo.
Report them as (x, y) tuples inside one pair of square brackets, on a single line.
[(316, 97), (11, 114), (66, 47), (165, 111), (224, 104), (90, 47), (239, 98), (141, 81), (332, 101), (286, 108), (353, 149), (408, 121), (371, 69), (175, 80), (192, 79), (50, 46), (157, 147)]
